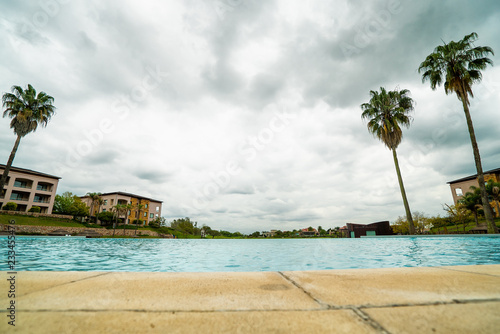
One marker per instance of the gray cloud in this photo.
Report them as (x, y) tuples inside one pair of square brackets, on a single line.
[(188, 87)]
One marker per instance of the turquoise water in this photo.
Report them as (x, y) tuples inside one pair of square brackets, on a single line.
[(208, 255)]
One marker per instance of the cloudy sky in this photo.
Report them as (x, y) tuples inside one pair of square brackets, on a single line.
[(244, 114)]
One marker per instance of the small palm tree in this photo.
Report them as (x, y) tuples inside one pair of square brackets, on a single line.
[(493, 189), (472, 202), (386, 113), (120, 209), (460, 64), (128, 209), (94, 197), (139, 208), (27, 110)]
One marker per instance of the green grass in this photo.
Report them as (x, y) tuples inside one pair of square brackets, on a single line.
[(460, 228), (40, 221)]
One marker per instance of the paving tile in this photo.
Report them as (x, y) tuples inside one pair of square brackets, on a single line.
[(395, 285), (493, 269), (173, 291), (332, 321), (30, 281), (451, 318)]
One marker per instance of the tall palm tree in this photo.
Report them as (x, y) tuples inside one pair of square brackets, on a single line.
[(472, 202), (386, 112), (460, 64), (493, 189), (27, 110)]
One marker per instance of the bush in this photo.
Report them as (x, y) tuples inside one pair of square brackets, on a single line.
[(10, 206), (35, 209), (135, 222)]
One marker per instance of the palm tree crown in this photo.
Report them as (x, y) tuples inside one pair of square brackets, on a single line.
[(27, 109), (387, 112), (459, 64)]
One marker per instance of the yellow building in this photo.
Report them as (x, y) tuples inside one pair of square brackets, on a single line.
[(461, 186), (148, 210)]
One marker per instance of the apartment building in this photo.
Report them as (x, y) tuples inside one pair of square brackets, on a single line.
[(461, 186), (150, 208), (28, 188)]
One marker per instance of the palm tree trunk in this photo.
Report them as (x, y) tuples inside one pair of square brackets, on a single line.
[(409, 218), (492, 228), (475, 217), (9, 164)]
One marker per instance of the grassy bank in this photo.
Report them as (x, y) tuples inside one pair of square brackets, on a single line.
[(451, 229)]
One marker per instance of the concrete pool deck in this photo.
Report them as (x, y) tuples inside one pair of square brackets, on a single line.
[(459, 299)]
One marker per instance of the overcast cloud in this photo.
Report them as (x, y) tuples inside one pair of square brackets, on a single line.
[(244, 114)]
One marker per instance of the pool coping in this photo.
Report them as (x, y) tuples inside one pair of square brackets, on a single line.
[(450, 299)]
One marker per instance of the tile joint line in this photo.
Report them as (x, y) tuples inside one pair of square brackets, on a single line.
[(323, 305)]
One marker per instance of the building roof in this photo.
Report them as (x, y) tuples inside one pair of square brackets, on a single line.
[(129, 195), (472, 177), (29, 171)]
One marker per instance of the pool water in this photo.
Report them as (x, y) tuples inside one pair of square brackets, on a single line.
[(210, 255)]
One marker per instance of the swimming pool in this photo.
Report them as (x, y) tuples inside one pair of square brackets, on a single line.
[(210, 255)]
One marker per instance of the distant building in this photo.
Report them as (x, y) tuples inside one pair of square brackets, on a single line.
[(151, 208), (461, 186), (306, 233), (358, 230), (269, 234), (28, 188)]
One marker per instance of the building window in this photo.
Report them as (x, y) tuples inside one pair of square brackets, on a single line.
[(145, 214), (151, 215), (458, 191), (145, 206), (103, 210), (112, 201), (157, 208), (105, 202)]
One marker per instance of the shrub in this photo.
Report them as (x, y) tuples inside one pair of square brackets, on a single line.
[(10, 206), (35, 209)]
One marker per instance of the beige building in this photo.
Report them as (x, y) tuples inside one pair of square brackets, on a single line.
[(28, 188), (150, 210), (461, 186)]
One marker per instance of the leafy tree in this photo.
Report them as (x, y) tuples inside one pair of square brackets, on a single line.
[(458, 214), (493, 189), (35, 209), (10, 206), (472, 202), (438, 222), (27, 109), (460, 64), (184, 225), (157, 222), (255, 234), (106, 217), (386, 112), (69, 204)]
